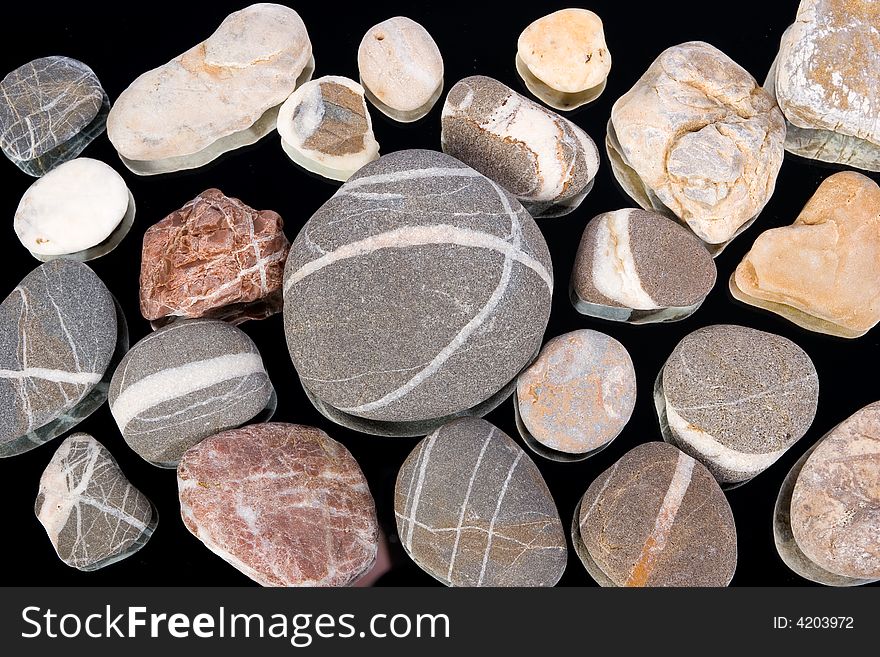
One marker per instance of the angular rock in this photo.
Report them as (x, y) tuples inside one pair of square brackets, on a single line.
[(415, 294), (736, 398), (401, 68), (696, 138), (823, 271), (825, 81), (215, 257), (656, 518), (91, 512), (283, 503), (82, 210), (640, 267), (59, 329), (473, 510), (50, 109), (826, 522), (563, 59), (187, 381), (544, 160), (577, 396), (325, 127), (220, 95)]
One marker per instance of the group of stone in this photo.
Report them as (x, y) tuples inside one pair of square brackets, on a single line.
[(420, 292)]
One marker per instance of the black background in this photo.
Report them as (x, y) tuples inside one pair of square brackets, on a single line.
[(473, 38)]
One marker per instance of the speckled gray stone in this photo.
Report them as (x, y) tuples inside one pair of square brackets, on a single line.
[(473, 510), (92, 514), (543, 159), (415, 294), (640, 267), (188, 380), (59, 330), (736, 398), (50, 109), (656, 518)]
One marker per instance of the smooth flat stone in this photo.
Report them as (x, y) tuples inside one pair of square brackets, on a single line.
[(640, 267), (823, 271), (736, 398), (825, 81), (283, 503), (220, 95), (578, 395), (58, 334), (82, 209), (696, 138), (473, 510), (835, 502), (93, 515), (50, 109), (401, 68), (187, 381), (325, 127), (656, 518), (563, 59), (543, 159), (215, 257), (418, 291)]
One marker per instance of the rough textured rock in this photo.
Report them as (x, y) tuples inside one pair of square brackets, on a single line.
[(418, 292), (325, 127), (58, 333), (563, 59), (823, 271), (656, 518), (91, 512), (50, 109), (473, 510), (825, 80), (544, 160), (82, 209), (285, 504), (835, 505), (640, 267), (698, 139), (736, 398), (215, 257), (578, 394), (185, 382), (401, 68), (217, 96)]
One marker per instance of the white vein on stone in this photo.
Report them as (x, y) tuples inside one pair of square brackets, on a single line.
[(501, 496)]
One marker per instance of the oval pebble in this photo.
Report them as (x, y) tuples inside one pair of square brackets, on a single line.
[(285, 504), (415, 294), (184, 382), (473, 510), (656, 518), (736, 398), (577, 396)]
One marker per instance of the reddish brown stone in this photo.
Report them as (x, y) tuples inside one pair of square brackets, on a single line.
[(215, 257), (285, 504)]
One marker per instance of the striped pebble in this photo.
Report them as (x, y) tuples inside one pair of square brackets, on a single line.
[(473, 510), (187, 381), (656, 518)]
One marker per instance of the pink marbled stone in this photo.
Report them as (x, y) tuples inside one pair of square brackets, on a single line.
[(285, 504)]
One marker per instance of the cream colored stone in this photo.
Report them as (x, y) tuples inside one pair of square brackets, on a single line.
[(563, 59), (219, 95), (823, 271), (825, 80), (401, 68), (698, 139)]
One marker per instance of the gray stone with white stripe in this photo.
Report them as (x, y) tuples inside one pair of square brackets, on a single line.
[(185, 382), (473, 510), (415, 294)]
